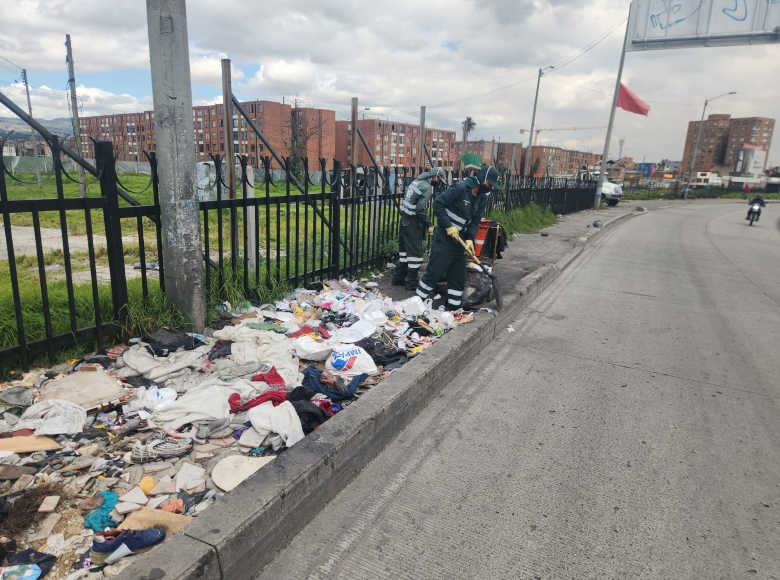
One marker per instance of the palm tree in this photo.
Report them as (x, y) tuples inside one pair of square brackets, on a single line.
[(468, 126)]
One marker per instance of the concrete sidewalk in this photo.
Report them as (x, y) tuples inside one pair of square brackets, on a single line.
[(264, 513)]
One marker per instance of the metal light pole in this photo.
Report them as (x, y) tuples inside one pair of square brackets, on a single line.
[(698, 137), (533, 117)]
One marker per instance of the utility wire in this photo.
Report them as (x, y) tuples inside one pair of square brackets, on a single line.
[(558, 80), (11, 63), (590, 46), (593, 44)]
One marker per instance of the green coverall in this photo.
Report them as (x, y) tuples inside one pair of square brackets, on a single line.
[(414, 223), (455, 207)]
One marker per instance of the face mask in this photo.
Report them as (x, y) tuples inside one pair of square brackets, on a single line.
[(484, 188)]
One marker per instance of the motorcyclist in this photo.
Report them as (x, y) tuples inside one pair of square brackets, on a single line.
[(759, 200)]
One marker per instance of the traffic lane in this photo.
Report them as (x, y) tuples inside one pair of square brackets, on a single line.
[(650, 279), (753, 250), (544, 465)]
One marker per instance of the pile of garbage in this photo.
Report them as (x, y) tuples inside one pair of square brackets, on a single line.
[(105, 457)]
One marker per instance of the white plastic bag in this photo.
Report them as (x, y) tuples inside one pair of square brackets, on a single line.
[(351, 360), (155, 398), (413, 306), (307, 348)]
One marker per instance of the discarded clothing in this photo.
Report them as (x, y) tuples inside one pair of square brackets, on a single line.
[(267, 326), (138, 361), (311, 379), (271, 378), (272, 349), (165, 341), (282, 420), (54, 417), (236, 406), (310, 415), (206, 402), (29, 556), (220, 349), (301, 394), (100, 519)]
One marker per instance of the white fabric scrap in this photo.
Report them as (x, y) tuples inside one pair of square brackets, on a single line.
[(54, 417), (282, 420), (206, 402)]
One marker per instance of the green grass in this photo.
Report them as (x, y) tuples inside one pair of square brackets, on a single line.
[(524, 220), (646, 194)]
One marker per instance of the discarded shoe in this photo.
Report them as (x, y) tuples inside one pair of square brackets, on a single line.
[(159, 446), (136, 541), (205, 430)]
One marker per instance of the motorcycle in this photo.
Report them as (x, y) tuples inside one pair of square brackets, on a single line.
[(753, 212)]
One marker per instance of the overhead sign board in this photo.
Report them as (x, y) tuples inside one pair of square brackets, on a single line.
[(661, 24)]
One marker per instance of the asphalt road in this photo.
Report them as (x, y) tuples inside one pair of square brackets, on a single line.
[(629, 427)]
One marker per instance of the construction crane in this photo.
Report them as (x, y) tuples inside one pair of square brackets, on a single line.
[(539, 130)]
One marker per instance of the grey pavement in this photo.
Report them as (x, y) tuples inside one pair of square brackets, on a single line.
[(627, 428)]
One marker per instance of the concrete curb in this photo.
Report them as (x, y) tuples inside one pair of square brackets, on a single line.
[(244, 531)]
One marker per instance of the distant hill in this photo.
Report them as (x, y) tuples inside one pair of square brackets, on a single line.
[(15, 128)]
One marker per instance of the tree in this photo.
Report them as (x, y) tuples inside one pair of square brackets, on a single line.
[(775, 171), (663, 164), (535, 166), (468, 126), (304, 124)]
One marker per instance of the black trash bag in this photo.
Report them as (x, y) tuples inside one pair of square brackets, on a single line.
[(478, 288)]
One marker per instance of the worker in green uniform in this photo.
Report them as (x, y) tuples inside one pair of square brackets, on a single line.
[(414, 222), (458, 213)]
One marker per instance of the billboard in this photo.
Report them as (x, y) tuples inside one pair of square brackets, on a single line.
[(660, 24), (750, 162)]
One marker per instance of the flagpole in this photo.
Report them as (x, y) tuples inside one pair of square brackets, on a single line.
[(602, 173)]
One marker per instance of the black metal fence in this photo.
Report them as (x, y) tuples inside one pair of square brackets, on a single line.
[(256, 236), (560, 195)]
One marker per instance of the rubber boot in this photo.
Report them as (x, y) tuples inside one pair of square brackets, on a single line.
[(399, 277), (411, 280)]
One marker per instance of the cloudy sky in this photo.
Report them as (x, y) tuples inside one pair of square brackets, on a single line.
[(460, 58)]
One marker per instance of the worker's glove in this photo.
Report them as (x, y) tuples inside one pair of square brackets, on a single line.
[(469, 248), (453, 232), (430, 230)]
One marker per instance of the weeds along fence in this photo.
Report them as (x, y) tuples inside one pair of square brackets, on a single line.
[(560, 195), (79, 270)]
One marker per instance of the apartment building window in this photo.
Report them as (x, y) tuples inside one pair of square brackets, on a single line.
[(260, 110), (213, 111), (219, 109), (401, 130), (378, 148), (235, 123), (200, 113), (235, 135), (251, 108), (208, 147), (379, 136), (221, 134)]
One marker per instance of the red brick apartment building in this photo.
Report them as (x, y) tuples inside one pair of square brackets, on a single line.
[(494, 152), (133, 133), (721, 139), (395, 144), (559, 162)]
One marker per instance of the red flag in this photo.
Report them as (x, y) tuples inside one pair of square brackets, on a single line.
[(630, 102)]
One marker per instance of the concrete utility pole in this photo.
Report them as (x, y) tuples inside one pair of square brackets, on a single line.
[(421, 148), (353, 151), (533, 116), (32, 130), (603, 169), (227, 120), (172, 92), (74, 114)]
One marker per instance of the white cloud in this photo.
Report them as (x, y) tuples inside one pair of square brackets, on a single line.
[(396, 56)]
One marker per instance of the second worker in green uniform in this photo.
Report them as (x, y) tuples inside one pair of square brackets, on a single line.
[(458, 213), (414, 222)]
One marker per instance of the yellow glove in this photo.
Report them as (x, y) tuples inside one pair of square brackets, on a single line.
[(453, 232), (430, 230), (469, 248)]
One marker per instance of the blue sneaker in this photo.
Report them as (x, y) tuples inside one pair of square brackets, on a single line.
[(137, 541)]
